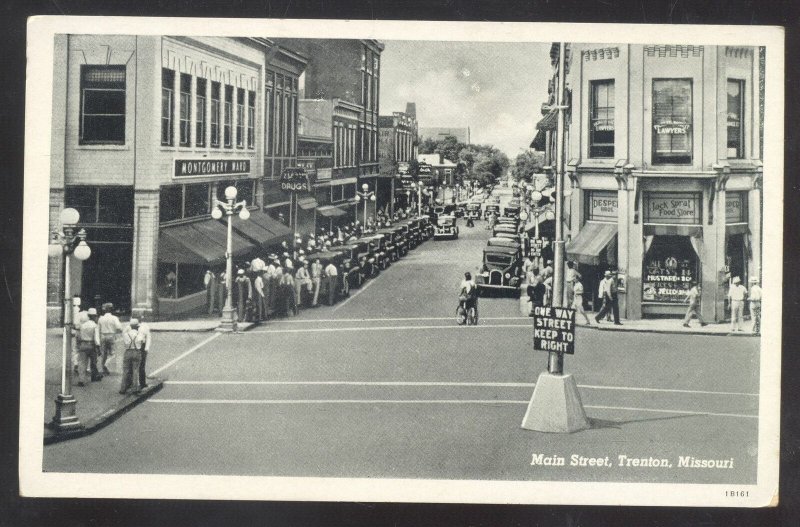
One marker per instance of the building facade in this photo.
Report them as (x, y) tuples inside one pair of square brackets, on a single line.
[(664, 163), (397, 146), (462, 135), (349, 70), (147, 132)]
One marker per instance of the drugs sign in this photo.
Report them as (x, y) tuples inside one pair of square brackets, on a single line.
[(554, 329), (295, 179)]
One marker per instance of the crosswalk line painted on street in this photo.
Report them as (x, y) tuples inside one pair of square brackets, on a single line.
[(386, 328), (446, 384), (185, 354), (386, 319), (428, 402)]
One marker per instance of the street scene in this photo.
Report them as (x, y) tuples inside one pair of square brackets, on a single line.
[(358, 258)]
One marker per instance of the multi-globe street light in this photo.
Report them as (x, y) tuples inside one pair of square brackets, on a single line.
[(229, 208), (68, 243), (366, 195)]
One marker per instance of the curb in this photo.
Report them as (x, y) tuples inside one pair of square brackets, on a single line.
[(106, 418), (669, 331)]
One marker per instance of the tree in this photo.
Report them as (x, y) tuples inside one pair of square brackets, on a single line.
[(527, 164), (413, 169), (428, 146)]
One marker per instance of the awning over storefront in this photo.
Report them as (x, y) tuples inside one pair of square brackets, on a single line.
[(592, 239), (262, 229), (549, 122), (539, 141), (278, 230), (330, 211), (306, 203), (200, 243)]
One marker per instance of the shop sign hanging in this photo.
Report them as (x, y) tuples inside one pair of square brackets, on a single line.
[(295, 180), (672, 208)]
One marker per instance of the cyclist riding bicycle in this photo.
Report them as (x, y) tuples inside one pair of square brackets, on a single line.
[(468, 294)]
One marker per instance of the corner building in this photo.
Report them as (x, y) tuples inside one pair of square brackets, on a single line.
[(664, 162), (147, 132)]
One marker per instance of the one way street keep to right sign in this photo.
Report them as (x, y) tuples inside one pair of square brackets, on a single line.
[(554, 329)]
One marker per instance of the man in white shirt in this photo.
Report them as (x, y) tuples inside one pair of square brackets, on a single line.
[(137, 343), (755, 305), (316, 279), (109, 328), (332, 279), (260, 301), (693, 299), (604, 293), (737, 295)]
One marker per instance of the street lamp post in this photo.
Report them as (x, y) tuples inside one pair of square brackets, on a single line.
[(68, 243), (229, 208), (366, 195)]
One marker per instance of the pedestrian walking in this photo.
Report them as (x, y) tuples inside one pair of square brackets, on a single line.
[(536, 291), (88, 339), (316, 279), (78, 318), (755, 305), (613, 288), (570, 277), (577, 300), (210, 283), (109, 327), (131, 360), (693, 299), (737, 295), (604, 293)]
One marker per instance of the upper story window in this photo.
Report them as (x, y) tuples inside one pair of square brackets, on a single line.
[(102, 105), (215, 110), (251, 119), (113, 205), (167, 105), (672, 121), (735, 118), (185, 108), (200, 114), (601, 119), (239, 118), (227, 123)]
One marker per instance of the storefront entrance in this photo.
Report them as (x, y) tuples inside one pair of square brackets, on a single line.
[(671, 266), (107, 275)]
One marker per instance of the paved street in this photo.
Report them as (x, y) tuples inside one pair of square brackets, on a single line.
[(385, 384)]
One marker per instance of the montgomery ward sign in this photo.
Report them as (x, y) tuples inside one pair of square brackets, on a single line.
[(554, 329), (295, 180), (211, 167)]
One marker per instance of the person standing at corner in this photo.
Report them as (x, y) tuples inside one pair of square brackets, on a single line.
[(613, 288), (132, 358), (210, 282), (88, 338), (109, 328), (243, 290), (332, 279), (693, 299), (737, 295), (301, 279), (144, 332), (260, 300), (316, 279), (755, 305)]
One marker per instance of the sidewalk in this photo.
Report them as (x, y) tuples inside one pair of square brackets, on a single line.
[(98, 403), (651, 325)]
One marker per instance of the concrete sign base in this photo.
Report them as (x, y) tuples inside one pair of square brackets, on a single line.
[(555, 406)]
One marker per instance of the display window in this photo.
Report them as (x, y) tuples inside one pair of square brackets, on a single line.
[(671, 265)]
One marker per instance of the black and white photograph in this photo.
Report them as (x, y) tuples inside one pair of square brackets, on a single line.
[(402, 261)]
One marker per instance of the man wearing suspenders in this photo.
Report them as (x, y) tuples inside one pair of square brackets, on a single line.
[(137, 342)]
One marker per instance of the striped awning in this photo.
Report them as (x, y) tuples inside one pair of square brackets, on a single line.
[(330, 211), (201, 243), (262, 229), (592, 239), (549, 122), (306, 203)]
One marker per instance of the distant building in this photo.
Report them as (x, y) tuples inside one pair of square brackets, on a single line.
[(461, 134), (349, 70), (444, 169), (397, 146)]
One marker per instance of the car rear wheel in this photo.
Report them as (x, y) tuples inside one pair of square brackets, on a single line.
[(461, 315)]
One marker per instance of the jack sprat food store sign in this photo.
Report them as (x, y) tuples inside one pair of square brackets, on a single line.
[(672, 208)]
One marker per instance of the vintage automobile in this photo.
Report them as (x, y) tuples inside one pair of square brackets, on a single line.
[(446, 228), (506, 220), (426, 227), (461, 209), (491, 208), (413, 232), (400, 240), (473, 210), (497, 241), (378, 247), (391, 238), (500, 228), (367, 258), (351, 268), (501, 269), (509, 236), (511, 210), (342, 283)]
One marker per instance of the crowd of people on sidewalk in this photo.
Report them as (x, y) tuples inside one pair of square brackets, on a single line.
[(96, 342), (288, 277)]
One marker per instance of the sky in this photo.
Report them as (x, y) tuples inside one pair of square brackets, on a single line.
[(496, 89)]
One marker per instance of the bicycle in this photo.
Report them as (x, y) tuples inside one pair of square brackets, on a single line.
[(466, 316)]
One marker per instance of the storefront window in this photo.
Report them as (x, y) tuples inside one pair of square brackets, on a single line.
[(735, 118), (670, 266), (170, 205), (179, 280), (601, 121), (196, 201), (245, 190), (115, 205), (672, 121)]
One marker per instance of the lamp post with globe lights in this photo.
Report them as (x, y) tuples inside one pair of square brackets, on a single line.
[(228, 208), (367, 195), (68, 243)]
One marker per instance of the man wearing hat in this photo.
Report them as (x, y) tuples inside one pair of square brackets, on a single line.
[(243, 290), (737, 294), (301, 279), (88, 339), (755, 305), (605, 293), (136, 343), (109, 328)]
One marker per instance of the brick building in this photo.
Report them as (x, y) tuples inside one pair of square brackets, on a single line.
[(397, 146), (147, 132)]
